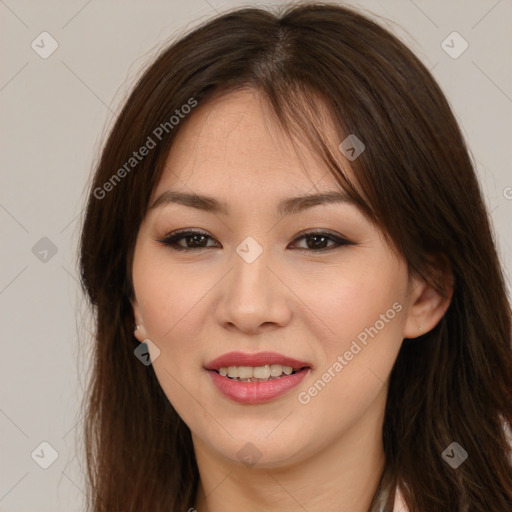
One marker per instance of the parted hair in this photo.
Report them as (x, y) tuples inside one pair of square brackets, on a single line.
[(415, 180)]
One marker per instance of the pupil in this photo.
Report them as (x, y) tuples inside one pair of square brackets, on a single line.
[(312, 246), (194, 237)]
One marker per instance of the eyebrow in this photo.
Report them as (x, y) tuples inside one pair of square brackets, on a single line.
[(287, 206)]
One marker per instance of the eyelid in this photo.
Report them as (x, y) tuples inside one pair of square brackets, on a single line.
[(320, 231)]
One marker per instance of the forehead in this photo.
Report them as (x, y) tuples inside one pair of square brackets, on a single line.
[(235, 140)]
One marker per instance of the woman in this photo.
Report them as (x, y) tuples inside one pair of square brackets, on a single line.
[(299, 304)]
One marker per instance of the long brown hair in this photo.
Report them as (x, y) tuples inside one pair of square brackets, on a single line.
[(415, 181)]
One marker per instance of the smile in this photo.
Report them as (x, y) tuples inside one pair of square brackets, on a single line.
[(270, 375)]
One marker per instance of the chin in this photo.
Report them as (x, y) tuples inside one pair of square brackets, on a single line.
[(257, 451)]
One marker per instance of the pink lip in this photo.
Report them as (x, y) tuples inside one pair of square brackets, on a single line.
[(258, 359), (256, 392)]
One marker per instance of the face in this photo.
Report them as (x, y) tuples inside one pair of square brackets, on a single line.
[(312, 282)]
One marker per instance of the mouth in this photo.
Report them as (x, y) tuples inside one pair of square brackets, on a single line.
[(256, 378)]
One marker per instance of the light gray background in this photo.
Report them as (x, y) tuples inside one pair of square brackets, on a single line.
[(55, 113)]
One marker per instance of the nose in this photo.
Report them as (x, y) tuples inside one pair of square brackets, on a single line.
[(254, 298)]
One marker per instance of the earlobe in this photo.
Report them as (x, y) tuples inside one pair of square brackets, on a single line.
[(139, 331), (426, 309)]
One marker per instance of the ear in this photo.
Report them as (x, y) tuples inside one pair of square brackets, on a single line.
[(139, 333), (426, 306)]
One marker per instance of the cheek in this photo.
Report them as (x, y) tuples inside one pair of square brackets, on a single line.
[(170, 304), (355, 300), (358, 361), (363, 310), (169, 298)]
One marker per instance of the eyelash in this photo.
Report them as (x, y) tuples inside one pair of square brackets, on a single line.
[(171, 240)]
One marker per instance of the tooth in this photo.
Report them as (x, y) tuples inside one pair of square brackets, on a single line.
[(258, 373), (233, 371), (245, 372), (276, 370), (261, 372)]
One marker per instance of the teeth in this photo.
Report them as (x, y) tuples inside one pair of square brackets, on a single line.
[(232, 371), (261, 372), (245, 372), (276, 370), (255, 374)]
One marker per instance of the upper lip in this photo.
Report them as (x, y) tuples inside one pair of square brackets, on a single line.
[(257, 359)]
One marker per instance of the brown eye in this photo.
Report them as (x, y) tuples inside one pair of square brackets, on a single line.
[(193, 240), (317, 241)]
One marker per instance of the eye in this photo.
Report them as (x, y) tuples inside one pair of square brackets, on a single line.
[(319, 240), (198, 240)]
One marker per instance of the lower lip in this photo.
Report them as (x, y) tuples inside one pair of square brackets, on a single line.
[(257, 392)]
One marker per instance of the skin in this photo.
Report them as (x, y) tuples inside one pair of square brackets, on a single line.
[(293, 299)]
